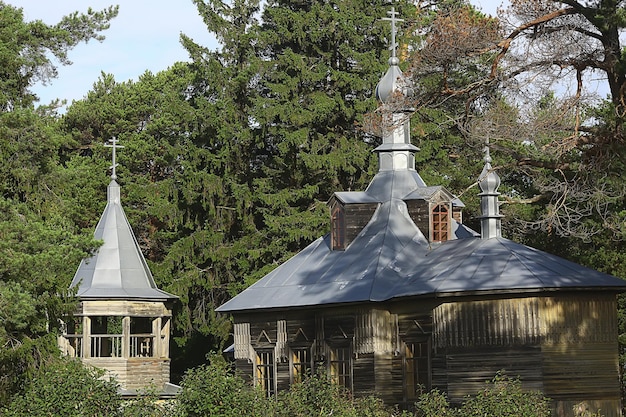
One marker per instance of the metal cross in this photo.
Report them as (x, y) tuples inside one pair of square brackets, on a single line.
[(393, 19), (114, 146)]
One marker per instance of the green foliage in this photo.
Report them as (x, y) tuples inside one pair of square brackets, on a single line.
[(213, 390), (66, 388), (317, 396), (502, 396), (27, 48)]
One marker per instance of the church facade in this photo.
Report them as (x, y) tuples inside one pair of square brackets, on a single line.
[(123, 321)]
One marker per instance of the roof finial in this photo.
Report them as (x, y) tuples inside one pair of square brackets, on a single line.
[(489, 182), (487, 157), (393, 19), (393, 81), (114, 146)]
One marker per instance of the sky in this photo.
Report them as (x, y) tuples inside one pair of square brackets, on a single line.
[(144, 36)]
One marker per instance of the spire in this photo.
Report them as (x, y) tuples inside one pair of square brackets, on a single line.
[(118, 269), (396, 152), (489, 181)]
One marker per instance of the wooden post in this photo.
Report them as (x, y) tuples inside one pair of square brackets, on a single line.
[(126, 337), (86, 337), (157, 350), (165, 337)]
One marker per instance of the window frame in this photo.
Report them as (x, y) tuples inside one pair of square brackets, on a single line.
[(440, 222), (265, 373), (416, 380), (339, 361), (299, 369)]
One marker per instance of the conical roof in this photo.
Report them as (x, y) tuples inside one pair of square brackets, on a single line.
[(118, 269)]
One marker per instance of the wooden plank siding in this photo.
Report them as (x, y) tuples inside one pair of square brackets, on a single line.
[(467, 370), (564, 345), (134, 373), (356, 218)]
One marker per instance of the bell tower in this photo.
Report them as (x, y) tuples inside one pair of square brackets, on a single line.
[(123, 320)]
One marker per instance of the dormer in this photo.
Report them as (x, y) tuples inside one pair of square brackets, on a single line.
[(350, 211), (433, 210)]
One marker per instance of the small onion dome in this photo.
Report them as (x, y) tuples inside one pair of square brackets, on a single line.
[(489, 179), (392, 81)]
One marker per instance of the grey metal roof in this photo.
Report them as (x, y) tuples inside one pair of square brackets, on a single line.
[(391, 259), (118, 269)]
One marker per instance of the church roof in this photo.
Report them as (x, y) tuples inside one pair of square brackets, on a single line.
[(118, 269), (392, 259)]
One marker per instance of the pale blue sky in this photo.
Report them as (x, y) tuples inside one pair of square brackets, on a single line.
[(144, 36)]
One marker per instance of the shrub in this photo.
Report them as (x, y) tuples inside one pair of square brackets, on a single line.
[(502, 396), (214, 390), (66, 388)]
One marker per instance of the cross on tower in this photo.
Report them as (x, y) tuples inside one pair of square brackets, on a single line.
[(393, 19), (114, 146)]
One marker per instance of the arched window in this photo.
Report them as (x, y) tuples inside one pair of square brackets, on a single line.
[(440, 223), (338, 229)]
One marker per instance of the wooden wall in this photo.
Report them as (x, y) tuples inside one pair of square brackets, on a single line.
[(564, 345), (134, 373)]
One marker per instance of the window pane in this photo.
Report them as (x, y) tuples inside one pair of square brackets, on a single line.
[(340, 366), (416, 369), (264, 375), (300, 364), (440, 223)]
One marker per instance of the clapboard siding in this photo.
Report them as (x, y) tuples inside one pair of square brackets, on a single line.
[(363, 375), (564, 345), (134, 373), (356, 217), (124, 308), (468, 369)]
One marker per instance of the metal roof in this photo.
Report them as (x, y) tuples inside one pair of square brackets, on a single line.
[(391, 259), (118, 269)]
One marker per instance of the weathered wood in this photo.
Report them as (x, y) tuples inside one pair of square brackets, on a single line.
[(124, 308)]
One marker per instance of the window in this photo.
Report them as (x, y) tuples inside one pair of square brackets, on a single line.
[(141, 337), (264, 371), (416, 368), (338, 229), (340, 363), (440, 223), (106, 337), (301, 364)]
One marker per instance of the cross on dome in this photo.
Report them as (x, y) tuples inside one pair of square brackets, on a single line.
[(393, 19)]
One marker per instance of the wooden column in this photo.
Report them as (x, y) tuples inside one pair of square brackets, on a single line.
[(165, 337), (86, 337), (126, 337), (157, 350)]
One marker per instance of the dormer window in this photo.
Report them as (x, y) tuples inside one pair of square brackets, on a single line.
[(338, 228), (440, 223)]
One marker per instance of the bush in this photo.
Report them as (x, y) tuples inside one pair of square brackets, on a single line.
[(214, 390), (502, 396), (66, 388)]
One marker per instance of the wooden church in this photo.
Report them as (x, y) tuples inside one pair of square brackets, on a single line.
[(122, 324), (401, 297)]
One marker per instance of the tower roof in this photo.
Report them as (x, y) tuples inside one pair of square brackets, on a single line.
[(118, 269)]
